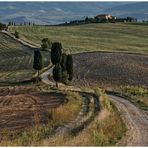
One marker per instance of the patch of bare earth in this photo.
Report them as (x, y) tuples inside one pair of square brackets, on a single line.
[(23, 107), (111, 69)]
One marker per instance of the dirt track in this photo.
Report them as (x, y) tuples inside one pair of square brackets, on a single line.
[(136, 120)]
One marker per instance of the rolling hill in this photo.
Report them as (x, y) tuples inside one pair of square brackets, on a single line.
[(119, 37), (16, 60)]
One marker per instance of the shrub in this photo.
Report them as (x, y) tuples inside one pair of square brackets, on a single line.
[(46, 44), (16, 34)]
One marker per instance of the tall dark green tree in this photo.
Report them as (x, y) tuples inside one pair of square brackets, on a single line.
[(64, 78), (69, 67), (57, 73), (37, 63), (56, 53), (63, 61)]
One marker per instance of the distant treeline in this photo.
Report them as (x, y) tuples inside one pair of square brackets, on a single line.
[(5, 26), (20, 24), (100, 19)]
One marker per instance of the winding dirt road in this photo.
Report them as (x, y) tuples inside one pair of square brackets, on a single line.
[(136, 119)]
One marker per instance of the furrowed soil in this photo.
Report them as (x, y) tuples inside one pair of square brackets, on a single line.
[(109, 69), (23, 107)]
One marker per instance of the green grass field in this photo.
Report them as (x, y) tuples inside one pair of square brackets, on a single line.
[(90, 37), (16, 60)]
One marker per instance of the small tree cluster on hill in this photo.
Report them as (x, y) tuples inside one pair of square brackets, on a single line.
[(3, 26), (97, 19), (63, 69), (46, 44)]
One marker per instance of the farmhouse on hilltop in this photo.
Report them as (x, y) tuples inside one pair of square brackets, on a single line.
[(105, 18)]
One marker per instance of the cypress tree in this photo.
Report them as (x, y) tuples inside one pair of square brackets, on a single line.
[(69, 66), (65, 76), (56, 52), (37, 63), (63, 61), (57, 73)]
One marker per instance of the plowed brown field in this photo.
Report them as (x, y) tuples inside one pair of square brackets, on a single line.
[(104, 68)]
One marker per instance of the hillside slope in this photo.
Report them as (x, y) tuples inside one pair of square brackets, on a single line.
[(91, 37), (16, 60)]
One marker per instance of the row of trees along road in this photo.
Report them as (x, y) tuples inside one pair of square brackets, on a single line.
[(63, 64)]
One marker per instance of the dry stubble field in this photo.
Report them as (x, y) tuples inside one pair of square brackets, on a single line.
[(24, 106)]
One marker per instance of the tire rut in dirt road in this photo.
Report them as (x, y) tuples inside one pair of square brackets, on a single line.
[(136, 121)]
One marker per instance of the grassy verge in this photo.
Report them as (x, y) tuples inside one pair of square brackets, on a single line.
[(33, 136), (104, 130), (101, 132), (135, 94)]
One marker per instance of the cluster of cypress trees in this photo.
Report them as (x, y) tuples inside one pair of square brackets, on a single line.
[(63, 69)]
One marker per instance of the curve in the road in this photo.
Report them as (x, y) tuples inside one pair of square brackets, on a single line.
[(136, 119)]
